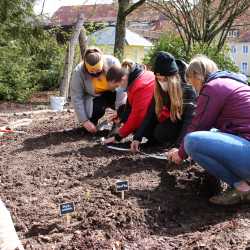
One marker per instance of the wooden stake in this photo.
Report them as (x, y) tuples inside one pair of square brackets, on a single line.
[(122, 195), (68, 219), (83, 41), (69, 57)]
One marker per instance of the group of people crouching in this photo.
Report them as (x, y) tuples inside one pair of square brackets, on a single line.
[(204, 112)]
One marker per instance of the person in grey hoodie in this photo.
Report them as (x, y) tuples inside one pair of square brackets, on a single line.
[(90, 91), (218, 138)]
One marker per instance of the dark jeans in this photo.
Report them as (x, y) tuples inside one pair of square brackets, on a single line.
[(100, 103), (167, 131)]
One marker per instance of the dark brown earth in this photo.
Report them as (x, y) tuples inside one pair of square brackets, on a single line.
[(165, 208)]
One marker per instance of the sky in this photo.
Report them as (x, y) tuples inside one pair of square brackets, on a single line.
[(52, 5)]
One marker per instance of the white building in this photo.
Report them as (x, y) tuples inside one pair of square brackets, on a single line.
[(240, 51)]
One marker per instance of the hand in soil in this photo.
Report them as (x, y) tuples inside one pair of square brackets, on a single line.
[(111, 115), (109, 140), (90, 127), (134, 146), (174, 156)]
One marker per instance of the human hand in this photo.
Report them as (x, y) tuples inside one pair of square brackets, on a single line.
[(134, 146), (90, 127), (117, 121), (111, 115), (109, 140), (173, 156)]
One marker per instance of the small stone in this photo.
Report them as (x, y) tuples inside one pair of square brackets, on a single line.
[(45, 238)]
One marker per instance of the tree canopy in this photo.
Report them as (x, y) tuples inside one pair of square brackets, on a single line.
[(203, 21)]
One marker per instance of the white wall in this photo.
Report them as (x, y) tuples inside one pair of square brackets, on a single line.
[(240, 53)]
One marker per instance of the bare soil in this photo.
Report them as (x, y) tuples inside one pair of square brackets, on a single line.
[(166, 206)]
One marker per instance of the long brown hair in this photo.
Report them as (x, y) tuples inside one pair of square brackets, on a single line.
[(174, 90)]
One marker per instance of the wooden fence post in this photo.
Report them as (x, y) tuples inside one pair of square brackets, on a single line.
[(69, 57), (82, 41)]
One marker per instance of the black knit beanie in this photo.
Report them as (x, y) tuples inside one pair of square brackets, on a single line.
[(165, 64)]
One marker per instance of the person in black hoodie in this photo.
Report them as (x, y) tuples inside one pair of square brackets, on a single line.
[(172, 107), (139, 84)]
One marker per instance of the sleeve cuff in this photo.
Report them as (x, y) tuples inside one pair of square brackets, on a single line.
[(118, 137), (121, 134), (182, 154), (137, 138)]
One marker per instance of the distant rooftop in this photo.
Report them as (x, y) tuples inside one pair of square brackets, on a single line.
[(67, 15), (244, 37), (106, 36)]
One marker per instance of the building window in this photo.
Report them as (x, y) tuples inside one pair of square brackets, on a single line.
[(245, 49), (244, 67), (233, 33), (233, 49)]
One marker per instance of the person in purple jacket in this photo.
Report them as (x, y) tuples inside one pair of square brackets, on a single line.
[(218, 138)]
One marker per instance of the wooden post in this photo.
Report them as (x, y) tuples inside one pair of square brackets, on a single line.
[(69, 58), (68, 219), (82, 41)]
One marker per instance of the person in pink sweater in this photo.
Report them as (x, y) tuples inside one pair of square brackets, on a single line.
[(223, 105)]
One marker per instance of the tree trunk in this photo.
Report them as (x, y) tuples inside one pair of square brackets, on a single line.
[(120, 29), (82, 41), (69, 58)]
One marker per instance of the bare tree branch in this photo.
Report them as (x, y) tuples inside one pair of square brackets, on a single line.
[(43, 7), (133, 7), (203, 21)]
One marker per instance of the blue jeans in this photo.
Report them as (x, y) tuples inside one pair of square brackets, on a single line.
[(223, 155)]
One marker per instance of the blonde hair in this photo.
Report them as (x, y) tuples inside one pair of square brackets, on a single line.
[(200, 67), (127, 64), (175, 93)]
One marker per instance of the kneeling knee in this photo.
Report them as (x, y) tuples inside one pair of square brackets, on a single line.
[(192, 142)]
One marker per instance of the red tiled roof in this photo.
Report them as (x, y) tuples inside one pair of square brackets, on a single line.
[(67, 15), (243, 19), (244, 37), (242, 24)]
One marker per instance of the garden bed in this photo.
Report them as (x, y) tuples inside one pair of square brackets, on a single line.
[(166, 206)]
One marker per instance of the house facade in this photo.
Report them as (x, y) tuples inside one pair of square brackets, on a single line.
[(240, 53), (151, 24), (239, 42), (135, 47)]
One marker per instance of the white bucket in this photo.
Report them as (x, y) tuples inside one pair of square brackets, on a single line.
[(57, 103)]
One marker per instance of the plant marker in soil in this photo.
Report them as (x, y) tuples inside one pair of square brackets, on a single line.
[(87, 194), (122, 186), (66, 209)]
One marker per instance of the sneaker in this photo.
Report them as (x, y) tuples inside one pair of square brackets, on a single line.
[(231, 197)]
